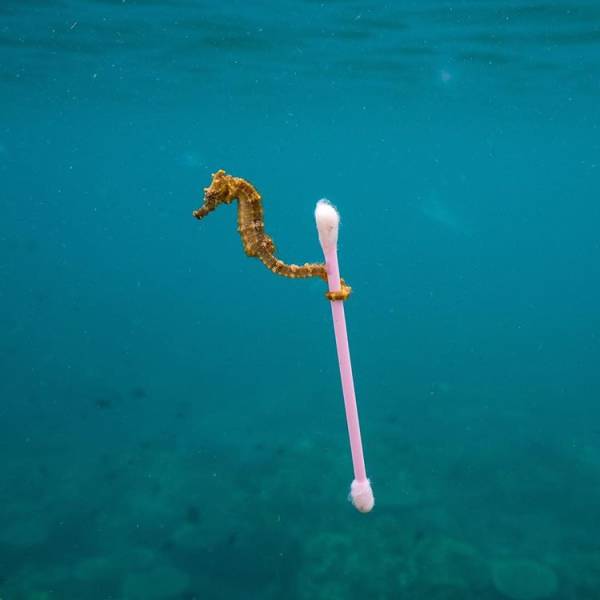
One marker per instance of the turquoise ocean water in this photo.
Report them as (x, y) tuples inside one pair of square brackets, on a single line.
[(171, 419)]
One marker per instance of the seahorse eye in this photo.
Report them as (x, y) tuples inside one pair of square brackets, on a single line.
[(211, 197)]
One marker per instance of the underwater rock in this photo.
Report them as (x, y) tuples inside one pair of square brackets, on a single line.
[(389, 559), (326, 555), (373, 563), (524, 579), (448, 562)]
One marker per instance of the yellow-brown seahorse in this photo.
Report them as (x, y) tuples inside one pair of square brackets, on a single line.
[(224, 189)]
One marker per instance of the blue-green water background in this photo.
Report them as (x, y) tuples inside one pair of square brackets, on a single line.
[(171, 417)]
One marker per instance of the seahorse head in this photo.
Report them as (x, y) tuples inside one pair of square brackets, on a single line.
[(220, 191)]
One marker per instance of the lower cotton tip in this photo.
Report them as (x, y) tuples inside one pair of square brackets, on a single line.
[(361, 496)]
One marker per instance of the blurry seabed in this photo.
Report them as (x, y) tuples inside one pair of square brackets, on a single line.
[(172, 513)]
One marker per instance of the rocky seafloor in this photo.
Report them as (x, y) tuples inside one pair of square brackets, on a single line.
[(163, 520)]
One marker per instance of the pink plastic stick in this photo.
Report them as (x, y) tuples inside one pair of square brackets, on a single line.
[(328, 218)]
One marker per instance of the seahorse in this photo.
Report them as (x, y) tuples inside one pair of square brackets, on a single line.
[(224, 189)]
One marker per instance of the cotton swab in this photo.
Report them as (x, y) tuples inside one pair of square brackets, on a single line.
[(225, 189), (328, 220)]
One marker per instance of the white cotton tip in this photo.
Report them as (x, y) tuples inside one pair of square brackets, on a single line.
[(361, 495), (328, 224)]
